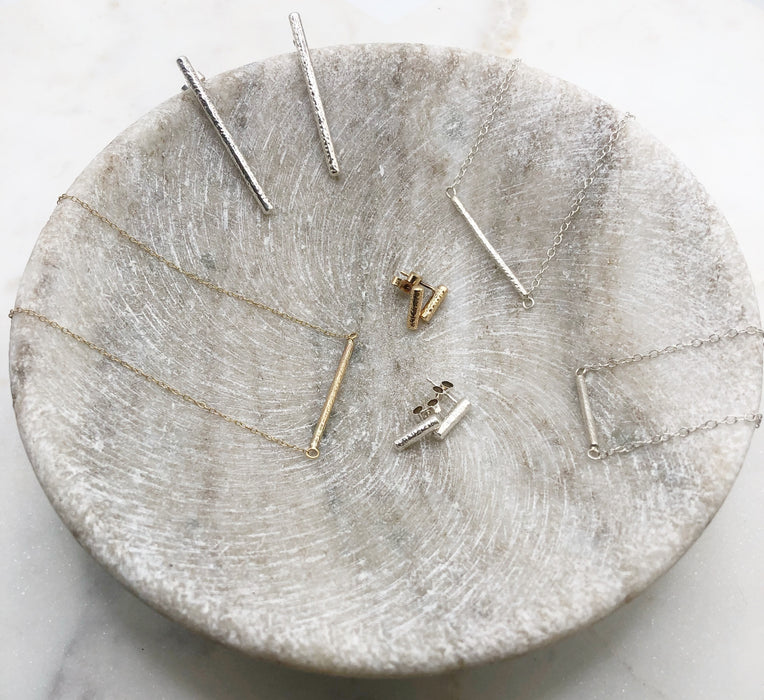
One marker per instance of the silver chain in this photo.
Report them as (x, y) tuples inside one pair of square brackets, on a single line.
[(602, 155), (754, 418), (579, 198), (498, 98), (596, 452)]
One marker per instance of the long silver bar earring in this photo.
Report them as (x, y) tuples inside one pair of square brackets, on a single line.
[(194, 81), (301, 44)]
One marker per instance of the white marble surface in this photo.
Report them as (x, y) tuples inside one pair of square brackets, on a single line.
[(71, 631)]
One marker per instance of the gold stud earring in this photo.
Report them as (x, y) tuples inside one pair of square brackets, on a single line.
[(412, 284)]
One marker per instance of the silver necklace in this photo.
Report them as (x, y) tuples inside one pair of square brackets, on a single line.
[(526, 294), (596, 451)]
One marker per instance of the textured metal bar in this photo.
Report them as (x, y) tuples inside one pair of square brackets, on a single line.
[(194, 81), (415, 307), (522, 291), (300, 43), (438, 295), (448, 423), (331, 397), (417, 433), (586, 409)]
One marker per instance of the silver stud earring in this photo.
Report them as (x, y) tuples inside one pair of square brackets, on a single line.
[(432, 417), (430, 421), (460, 409)]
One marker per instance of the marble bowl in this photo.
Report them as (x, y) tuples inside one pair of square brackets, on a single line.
[(369, 561)]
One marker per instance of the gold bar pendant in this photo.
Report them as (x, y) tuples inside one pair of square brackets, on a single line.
[(312, 452)]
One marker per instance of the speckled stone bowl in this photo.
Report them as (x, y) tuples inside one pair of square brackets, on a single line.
[(368, 561)]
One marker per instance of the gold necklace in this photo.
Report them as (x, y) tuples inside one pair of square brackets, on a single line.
[(312, 451), (196, 278)]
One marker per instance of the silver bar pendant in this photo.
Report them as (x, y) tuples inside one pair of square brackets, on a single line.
[(194, 81), (586, 410), (301, 44), (522, 291)]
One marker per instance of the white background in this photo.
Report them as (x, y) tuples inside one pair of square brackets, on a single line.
[(75, 74)]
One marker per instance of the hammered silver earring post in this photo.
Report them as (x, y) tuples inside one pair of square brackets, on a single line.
[(195, 82), (428, 423), (301, 44)]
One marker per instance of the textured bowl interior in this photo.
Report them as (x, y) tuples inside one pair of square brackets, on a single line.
[(366, 561)]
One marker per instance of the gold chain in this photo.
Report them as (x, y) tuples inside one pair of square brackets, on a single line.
[(196, 278), (311, 452), (154, 380)]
